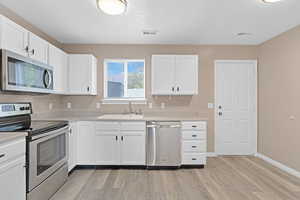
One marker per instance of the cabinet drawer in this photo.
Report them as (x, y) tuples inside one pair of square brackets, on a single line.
[(133, 126), (194, 125), (194, 159), (194, 135), (109, 126), (106, 132), (194, 146), (12, 150)]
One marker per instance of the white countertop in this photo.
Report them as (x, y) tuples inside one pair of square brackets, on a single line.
[(8, 136), (119, 117)]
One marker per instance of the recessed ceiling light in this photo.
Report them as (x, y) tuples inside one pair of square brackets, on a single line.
[(270, 1), (112, 7)]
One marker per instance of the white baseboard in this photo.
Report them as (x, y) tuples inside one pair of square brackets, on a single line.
[(279, 165), (211, 154)]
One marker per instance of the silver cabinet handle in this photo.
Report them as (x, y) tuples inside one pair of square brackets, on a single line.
[(194, 158), (178, 89), (173, 89), (220, 113), (194, 126), (194, 135), (27, 49), (194, 146), (2, 155), (32, 51), (116, 138), (88, 88)]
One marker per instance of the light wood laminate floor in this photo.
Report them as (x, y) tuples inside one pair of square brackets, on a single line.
[(224, 178)]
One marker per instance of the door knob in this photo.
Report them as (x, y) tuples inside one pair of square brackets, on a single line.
[(220, 113), (220, 107)]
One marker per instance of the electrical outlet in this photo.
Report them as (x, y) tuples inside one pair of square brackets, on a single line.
[(50, 106), (69, 105), (150, 105), (98, 105), (162, 105), (210, 105)]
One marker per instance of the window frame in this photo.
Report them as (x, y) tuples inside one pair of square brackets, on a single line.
[(126, 99)]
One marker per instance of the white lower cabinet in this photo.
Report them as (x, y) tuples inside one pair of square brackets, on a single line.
[(111, 143), (106, 148), (194, 142), (85, 143), (133, 149), (72, 158), (12, 170)]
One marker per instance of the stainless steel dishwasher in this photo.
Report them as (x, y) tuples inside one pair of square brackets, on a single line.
[(163, 144)]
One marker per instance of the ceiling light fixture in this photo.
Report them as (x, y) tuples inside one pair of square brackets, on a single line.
[(270, 1), (112, 7)]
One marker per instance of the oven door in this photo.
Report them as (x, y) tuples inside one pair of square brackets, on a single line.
[(46, 155), (24, 74)]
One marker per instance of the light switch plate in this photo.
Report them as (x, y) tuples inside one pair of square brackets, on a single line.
[(150, 105), (69, 105), (210, 105), (162, 105)]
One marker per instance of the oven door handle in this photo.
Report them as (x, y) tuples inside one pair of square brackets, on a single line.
[(51, 134)]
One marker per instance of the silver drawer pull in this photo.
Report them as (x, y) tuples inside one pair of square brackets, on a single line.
[(194, 146), (194, 126), (194, 158), (2, 155), (194, 135)]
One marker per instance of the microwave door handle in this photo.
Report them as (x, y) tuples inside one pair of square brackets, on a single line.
[(47, 83)]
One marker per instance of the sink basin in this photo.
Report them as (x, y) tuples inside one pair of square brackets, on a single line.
[(121, 116)]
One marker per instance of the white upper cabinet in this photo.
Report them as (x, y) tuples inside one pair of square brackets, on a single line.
[(186, 74), (82, 72), (13, 37), (163, 71), (17, 39), (38, 48), (58, 59), (174, 74)]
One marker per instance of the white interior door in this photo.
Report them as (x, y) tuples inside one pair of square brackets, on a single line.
[(236, 107)]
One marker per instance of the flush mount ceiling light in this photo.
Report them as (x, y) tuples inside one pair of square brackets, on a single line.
[(271, 1), (112, 7)]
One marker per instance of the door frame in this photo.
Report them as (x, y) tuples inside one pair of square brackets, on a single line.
[(254, 62)]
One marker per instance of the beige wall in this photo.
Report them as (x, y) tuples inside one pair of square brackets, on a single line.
[(41, 102), (207, 55), (279, 98)]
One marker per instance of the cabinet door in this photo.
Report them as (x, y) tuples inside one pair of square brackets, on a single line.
[(107, 148), (163, 78), (85, 143), (81, 74), (38, 48), (186, 75), (93, 76), (72, 161), (12, 180), (13, 37), (133, 149), (59, 61)]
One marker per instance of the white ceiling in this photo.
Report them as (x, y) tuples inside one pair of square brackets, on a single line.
[(177, 21)]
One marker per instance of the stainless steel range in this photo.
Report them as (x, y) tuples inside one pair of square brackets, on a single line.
[(46, 149)]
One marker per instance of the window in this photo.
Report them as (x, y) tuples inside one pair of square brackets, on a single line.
[(124, 79)]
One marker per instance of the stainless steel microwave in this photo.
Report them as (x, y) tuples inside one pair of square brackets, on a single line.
[(23, 74)]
